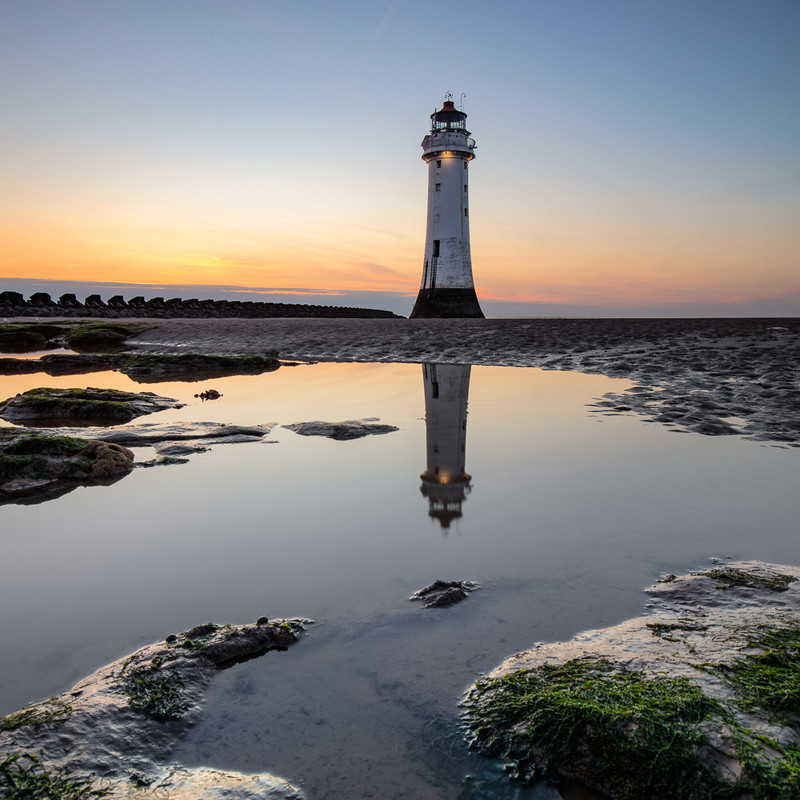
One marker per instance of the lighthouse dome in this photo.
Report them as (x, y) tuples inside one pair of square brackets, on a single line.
[(449, 118)]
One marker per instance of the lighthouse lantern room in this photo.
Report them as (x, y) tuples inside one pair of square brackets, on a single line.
[(447, 289)]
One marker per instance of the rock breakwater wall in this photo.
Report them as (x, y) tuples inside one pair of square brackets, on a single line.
[(41, 304)]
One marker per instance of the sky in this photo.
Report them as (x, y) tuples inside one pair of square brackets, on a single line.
[(635, 157)]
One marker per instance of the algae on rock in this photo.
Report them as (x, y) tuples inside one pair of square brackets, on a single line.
[(700, 699)]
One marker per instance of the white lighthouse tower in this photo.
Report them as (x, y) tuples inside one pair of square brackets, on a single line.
[(447, 289)]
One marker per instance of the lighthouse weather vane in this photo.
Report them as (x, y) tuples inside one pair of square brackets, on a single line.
[(447, 288)]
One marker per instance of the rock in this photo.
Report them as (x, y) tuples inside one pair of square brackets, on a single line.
[(102, 336), (24, 338), (698, 698), (194, 366), (40, 464), (441, 594), (193, 434), (115, 729), (340, 431), (209, 394), (64, 406), (66, 364), (179, 449)]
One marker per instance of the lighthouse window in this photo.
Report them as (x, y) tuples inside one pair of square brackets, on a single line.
[(465, 187), (466, 212), (436, 248), (465, 165), (438, 187), (438, 163)]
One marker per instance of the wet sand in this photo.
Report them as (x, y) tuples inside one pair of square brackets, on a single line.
[(710, 376)]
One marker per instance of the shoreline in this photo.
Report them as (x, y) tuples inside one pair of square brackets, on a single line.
[(714, 376)]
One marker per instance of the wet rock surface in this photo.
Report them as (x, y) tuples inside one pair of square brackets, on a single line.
[(115, 729), (67, 406), (192, 434), (149, 367), (717, 661), (42, 466), (441, 594), (341, 431)]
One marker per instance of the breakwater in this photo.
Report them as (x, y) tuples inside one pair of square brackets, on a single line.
[(41, 304)]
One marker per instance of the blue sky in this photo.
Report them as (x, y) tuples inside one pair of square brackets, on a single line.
[(631, 155)]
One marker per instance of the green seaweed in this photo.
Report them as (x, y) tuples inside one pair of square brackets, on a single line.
[(155, 693), (23, 778), (729, 577), (770, 679), (53, 710), (772, 771), (18, 443), (643, 736)]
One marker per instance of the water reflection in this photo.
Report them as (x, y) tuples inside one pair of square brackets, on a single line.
[(445, 482)]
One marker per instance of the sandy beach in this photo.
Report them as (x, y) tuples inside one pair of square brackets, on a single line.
[(712, 376)]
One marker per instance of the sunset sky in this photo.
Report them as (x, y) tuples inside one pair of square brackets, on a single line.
[(634, 156)]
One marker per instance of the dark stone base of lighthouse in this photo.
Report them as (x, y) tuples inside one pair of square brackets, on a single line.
[(441, 303)]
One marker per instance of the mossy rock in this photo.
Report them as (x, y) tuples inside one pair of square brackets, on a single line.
[(699, 699), (39, 466), (65, 406), (196, 366), (643, 736), (22, 777), (25, 337), (102, 337)]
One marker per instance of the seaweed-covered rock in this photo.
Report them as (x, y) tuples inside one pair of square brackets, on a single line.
[(44, 465), (115, 729), (441, 594), (341, 431), (194, 366), (699, 699), (20, 337), (102, 336), (68, 406)]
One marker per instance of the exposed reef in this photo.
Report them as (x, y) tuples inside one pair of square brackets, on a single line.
[(341, 431), (145, 367), (24, 337), (441, 594), (192, 366), (701, 698), (145, 434), (44, 406), (110, 735), (43, 465), (41, 304)]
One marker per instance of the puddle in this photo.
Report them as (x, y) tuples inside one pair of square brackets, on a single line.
[(561, 516)]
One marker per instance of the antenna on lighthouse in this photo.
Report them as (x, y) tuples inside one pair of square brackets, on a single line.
[(461, 101), (448, 96)]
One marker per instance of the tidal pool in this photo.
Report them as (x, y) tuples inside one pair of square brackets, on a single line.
[(561, 515)]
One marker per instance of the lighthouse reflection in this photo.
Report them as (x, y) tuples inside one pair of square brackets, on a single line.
[(445, 481)]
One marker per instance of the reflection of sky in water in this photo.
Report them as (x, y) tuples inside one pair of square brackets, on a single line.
[(569, 516)]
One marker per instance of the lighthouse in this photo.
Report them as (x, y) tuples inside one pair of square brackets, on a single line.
[(447, 289), (445, 481)]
